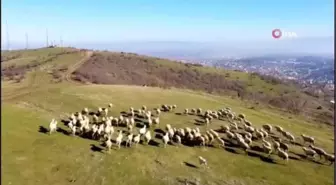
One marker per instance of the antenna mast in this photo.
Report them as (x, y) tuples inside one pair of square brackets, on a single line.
[(7, 33), (26, 40), (47, 37)]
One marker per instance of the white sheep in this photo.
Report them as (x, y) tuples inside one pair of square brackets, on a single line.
[(267, 127), (142, 131), (221, 141), (178, 139), (150, 121), (309, 152), (119, 139), (52, 126), (158, 111), (318, 150), (290, 136), (129, 139), (267, 148), (247, 140), (282, 154), (171, 133), (156, 120), (110, 105), (148, 137), (186, 111), (130, 128), (202, 161), (165, 139), (144, 108), (307, 139), (132, 121), (108, 144), (106, 111), (100, 109), (329, 157), (136, 139), (278, 128), (73, 129), (85, 110), (168, 127), (214, 132)]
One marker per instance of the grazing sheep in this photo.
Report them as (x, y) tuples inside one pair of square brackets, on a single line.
[(95, 118), (318, 150), (249, 129), (230, 135), (329, 157), (264, 133), (130, 128), (171, 133), (174, 106), (202, 161), (168, 127), (108, 144), (100, 109), (129, 140), (248, 123), (165, 139), (284, 146), (86, 110), (136, 139), (225, 128), (242, 144), (307, 139), (214, 132), (248, 140), (221, 141), (290, 136), (282, 154), (267, 149), (309, 152), (276, 145), (186, 111), (193, 111), (110, 105), (158, 111), (207, 121), (178, 139), (278, 128), (106, 111), (132, 120), (144, 108), (73, 129), (199, 111), (266, 143), (149, 120), (267, 127), (119, 139), (148, 137), (259, 134), (52, 126), (142, 131)]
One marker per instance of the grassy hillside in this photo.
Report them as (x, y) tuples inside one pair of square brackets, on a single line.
[(128, 68), (44, 91)]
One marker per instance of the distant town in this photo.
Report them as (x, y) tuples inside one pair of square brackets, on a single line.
[(306, 70)]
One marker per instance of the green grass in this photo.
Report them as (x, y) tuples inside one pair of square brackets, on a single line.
[(31, 157)]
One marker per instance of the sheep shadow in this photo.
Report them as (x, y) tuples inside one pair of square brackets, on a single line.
[(61, 130), (178, 113), (158, 136), (139, 125), (262, 157), (43, 130), (190, 165), (154, 143), (95, 148), (124, 113), (65, 122), (231, 150), (257, 148), (159, 131), (297, 143), (92, 113), (199, 121)]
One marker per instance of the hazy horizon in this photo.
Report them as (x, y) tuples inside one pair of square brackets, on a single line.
[(205, 28)]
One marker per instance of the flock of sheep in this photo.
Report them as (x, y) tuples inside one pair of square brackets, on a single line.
[(100, 126)]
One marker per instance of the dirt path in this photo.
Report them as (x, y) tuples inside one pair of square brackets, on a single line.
[(74, 67)]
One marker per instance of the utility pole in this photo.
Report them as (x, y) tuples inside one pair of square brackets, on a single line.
[(61, 41), (26, 40), (7, 33), (47, 37)]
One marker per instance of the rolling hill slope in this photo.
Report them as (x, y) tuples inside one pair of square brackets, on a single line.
[(36, 89)]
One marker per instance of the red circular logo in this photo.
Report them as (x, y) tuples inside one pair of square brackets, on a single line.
[(276, 33)]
